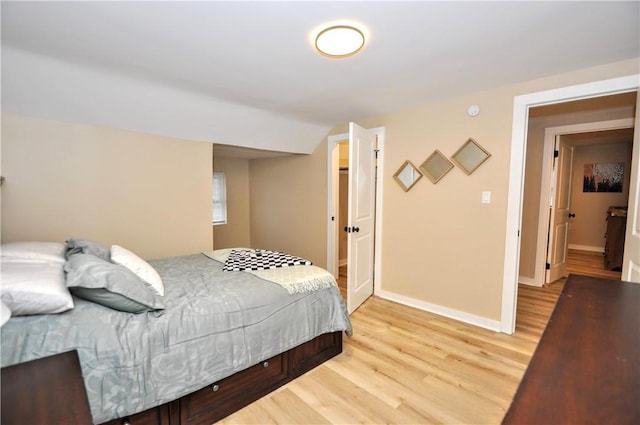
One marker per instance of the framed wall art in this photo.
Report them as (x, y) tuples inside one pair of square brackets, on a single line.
[(604, 177)]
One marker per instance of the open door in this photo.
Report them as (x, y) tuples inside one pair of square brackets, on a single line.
[(631, 261), (361, 215), (560, 212)]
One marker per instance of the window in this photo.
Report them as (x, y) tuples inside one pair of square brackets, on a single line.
[(219, 199)]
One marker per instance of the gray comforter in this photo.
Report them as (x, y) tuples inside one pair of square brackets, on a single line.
[(215, 324)]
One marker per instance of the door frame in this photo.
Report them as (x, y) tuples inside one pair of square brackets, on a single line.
[(521, 105), (333, 156), (550, 134)]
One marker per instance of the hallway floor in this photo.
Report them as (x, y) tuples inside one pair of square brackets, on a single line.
[(589, 264)]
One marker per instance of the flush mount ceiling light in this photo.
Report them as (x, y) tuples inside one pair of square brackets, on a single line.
[(339, 41)]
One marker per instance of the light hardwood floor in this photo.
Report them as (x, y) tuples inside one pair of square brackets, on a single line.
[(406, 366), (590, 264)]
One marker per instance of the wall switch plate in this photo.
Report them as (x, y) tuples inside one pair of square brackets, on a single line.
[(486, 197)]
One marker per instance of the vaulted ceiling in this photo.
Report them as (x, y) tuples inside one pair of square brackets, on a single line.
[(247, 74)]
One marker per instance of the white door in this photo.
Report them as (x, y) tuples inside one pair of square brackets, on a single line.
[(631, 259), (560, 212), (361, 217)]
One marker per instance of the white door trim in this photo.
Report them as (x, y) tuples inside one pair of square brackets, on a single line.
[(521, 105), (332, 204), (333, 158), (631, 266), (377, 279), (550, 134)]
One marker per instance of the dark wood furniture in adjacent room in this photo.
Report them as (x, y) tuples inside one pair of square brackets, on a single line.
[(614, 239), (586, 368), (47, 391)]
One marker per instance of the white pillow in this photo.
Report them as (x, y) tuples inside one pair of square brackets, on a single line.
[(34, 288), (5, 313), (33, 251), (141, 268)]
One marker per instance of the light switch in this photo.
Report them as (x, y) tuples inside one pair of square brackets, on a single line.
[(486, 197)]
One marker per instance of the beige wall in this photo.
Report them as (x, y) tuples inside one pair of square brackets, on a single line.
[(533, 174), (289, 204), (440, 245), (149, 194), (589, 226), (236, 233)]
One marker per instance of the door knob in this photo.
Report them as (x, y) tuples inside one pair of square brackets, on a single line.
[(356, 229), (571, 215)]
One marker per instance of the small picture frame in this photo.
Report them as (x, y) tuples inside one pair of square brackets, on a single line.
[(436, 166), (407, 175), (470, 156)]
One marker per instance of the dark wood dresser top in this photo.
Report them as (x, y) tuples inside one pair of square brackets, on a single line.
[(46, 391), (586, 368)]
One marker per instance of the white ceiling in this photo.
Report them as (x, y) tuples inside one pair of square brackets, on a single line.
[(246, 73)]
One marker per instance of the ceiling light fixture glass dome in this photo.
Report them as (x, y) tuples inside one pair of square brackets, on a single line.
[(340, 41)]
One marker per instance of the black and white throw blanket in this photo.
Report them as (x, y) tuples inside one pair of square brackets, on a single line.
[(296, 279), (260, 259)]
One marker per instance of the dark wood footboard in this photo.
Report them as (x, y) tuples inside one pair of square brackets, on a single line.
[(220, 399)]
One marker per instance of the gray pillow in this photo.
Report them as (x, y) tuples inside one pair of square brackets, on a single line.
[(86, 246), (111, 285)]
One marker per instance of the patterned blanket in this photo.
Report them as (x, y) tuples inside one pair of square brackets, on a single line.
[(296, 279), (260, 259)]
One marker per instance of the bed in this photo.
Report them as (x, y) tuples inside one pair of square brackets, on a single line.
[(212, 342)]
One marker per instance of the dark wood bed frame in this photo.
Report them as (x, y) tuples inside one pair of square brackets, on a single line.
[(220, 399)]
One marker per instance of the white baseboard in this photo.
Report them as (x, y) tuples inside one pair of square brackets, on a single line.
[(472, 319), (599, 249)]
